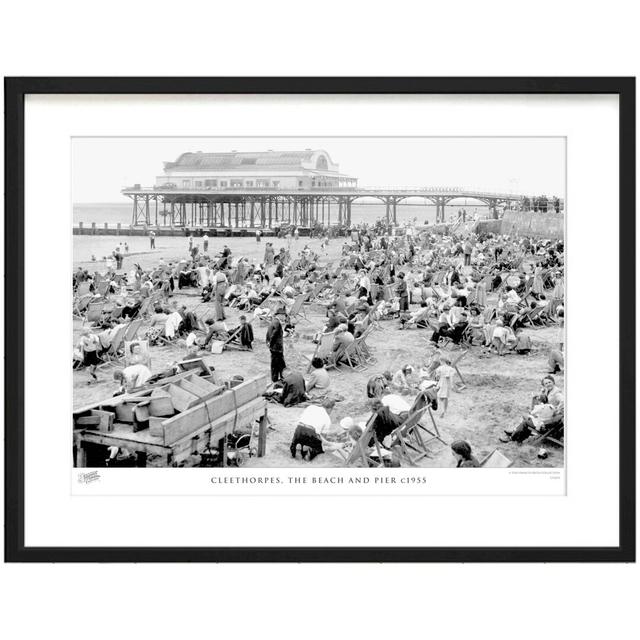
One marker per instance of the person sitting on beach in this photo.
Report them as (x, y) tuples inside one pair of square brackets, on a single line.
[(385, 421), (293, 388), (207, 292), (137, 355), (499, 338), (476, 326), (172, 324), (318, 381), (461, 451), (156, 329), (132, 377), (419, 318), (378, 384), (541, 417), (131, 308), (334, 320), (187, 277), (189, 320), (343, 338), (399, 381), (106, 335), (216, 330)]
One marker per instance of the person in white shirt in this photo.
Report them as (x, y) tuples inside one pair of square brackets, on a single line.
[(500, 335), (542, 415), (132, 377), (172, 324), (512, 297), (312, 423), (397, 404)]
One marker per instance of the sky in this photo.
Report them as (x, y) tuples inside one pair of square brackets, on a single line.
[(101, 167)]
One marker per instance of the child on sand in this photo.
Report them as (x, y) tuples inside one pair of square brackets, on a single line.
[(444, 375)]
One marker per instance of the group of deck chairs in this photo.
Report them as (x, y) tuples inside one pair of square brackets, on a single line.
[(409, 443), (357, 355), (95, 309)]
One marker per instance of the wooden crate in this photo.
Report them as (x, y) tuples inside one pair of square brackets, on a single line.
[(106, 419), (182, 399), (229, 403)]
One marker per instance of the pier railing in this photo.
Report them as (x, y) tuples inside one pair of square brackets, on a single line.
[(360, 190)]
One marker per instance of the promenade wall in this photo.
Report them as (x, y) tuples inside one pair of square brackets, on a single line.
[(530, 223)]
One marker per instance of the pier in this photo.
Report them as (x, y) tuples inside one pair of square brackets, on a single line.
[(269, 207)]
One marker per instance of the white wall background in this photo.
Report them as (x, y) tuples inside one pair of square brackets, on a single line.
[(332, 38)]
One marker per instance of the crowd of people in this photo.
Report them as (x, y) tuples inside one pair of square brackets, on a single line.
[(479, 291)]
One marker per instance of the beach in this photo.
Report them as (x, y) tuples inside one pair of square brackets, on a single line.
[(497, 393)]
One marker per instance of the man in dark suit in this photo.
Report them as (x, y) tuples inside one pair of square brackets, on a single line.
[(276, 346)]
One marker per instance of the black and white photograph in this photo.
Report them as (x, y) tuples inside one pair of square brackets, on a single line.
[(320, 302)]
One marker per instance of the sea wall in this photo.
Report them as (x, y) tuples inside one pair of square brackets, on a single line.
[(531, 223), (94, 229), (524, 223)]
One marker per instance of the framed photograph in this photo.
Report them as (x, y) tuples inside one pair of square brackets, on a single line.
[(320, 319)]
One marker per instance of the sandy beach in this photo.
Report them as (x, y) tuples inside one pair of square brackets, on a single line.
[(498, 389)]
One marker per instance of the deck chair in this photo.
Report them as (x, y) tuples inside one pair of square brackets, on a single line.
[(362, 348), (81, 304), (412, 437), (324, 348), (554, 432), (297, 308), (496, 460), (271, 304), (195, 364), (488, 314), (113, 354), (454, 364), (103, 288), (230, 341), (523, 317), (350, 356), (132, 329), (83, 289), (361, 452), (94, 312), (314, 293)]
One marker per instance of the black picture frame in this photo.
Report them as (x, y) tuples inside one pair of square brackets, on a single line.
[(15, 91)]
